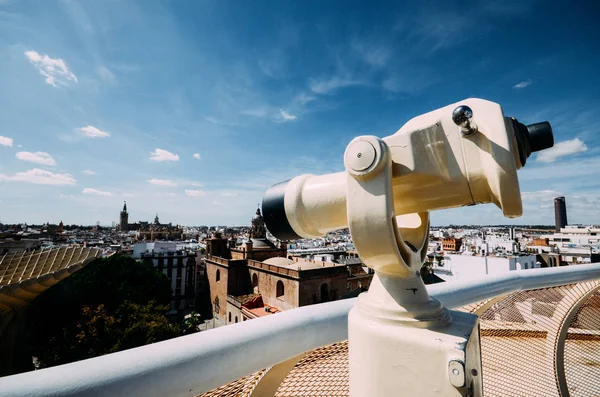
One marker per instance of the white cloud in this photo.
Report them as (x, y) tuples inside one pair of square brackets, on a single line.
[(88, 172), (284, 116), (37, 157), (41, 177), (163, 155), (561, 149), (197, 156), (95, 192), (197, 184), (228, 194), (93, 132), (522, 84), (6, 141), (195, 193), (215, 202), (331, 85), (54, 70), (162, 182)]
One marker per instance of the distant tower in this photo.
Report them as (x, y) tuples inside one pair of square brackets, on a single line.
[(124, 226), (156, 221), (560, 213), (259, 229), (60, 227)]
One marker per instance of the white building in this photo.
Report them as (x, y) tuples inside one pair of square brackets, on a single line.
[(462, 267), (179, 267), (572, 236)]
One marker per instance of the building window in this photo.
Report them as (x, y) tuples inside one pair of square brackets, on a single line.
[(280, 289), (255, 282), (325, 293), (218, 275), (229, 316), (236, 319)]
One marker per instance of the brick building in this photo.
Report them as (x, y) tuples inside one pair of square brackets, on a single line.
[(258, 278), (451, 244)]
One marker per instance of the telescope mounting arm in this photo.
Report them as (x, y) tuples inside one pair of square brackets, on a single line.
[(380, 243)]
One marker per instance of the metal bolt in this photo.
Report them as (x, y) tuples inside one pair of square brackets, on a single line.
[(456, 373), (360, 155), (462, 116)]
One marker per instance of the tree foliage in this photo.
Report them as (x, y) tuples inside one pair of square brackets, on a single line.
[(112, 304)]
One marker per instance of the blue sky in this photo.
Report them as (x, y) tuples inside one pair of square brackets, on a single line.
[(193, 108)]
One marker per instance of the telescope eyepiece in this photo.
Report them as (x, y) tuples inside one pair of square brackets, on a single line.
[(532, 138), (541, 136)]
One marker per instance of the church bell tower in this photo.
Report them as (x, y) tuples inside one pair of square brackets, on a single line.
[(124, 218)]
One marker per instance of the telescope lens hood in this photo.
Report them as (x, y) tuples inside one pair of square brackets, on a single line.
[(273, 209)]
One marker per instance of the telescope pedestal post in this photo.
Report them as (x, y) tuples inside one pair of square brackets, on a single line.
[(414, 349), (401, 342)]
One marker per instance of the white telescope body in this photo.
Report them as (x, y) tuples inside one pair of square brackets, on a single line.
[(436, 164), (463, 154)]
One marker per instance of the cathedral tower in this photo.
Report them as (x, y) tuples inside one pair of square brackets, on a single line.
[(124, 225)]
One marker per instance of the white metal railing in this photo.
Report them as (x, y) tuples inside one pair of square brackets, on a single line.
[(193, 364)]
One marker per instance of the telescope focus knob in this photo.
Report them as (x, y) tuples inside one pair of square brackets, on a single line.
[(462, 116)]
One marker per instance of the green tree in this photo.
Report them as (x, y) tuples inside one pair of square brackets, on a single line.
[(112, 304)]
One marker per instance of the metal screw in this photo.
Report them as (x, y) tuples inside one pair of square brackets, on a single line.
[(455, 371), (462, 116), (359, 155)]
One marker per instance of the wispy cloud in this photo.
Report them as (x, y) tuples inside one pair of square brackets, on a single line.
[(93, 132), (162, 182), (261, 112), (304, 98), (105, 74), (333, 84), (41, 177), (95, 192), (285, 116), (217, 203), (163, 155), (6, 141), (229, 194), (195, 193), (88, 172), (522, 84), (54, 70), (37, 157), (196, 184), (562, 149), (540, 195), (217, 121), (197, 156), (376, 55)]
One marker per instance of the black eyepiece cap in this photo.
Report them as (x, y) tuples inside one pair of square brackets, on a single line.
[(273, 209), (540, 136)]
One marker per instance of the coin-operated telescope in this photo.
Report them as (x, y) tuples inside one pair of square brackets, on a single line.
[(403, 342)]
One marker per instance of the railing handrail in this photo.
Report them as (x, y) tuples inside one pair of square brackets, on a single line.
[(463, 292), (193, 364)]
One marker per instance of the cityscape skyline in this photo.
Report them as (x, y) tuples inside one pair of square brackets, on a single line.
[(193, 111)]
